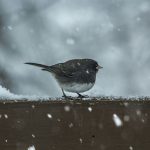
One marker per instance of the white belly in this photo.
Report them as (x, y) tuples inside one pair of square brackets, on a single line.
[(76, 88)]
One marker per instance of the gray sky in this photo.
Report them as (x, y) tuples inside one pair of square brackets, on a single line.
[(113, 32)]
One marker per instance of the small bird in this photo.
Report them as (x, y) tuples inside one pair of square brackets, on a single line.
[(76, 75)]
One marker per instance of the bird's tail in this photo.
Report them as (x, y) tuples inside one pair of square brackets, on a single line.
[(38, 65)]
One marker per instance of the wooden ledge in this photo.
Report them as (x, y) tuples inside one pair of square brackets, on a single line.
[(75, 124)]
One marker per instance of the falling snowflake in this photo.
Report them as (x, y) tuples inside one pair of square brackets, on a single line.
[(130, 148), (58, 120), (31, 148), (87, 71), (49, 116), (67, 108), (6, 116), (33, 135), (117, 120), (138, 112), (9, 27), (78, 64), (143, 120), (81, 140), (71, 125), (126, 104), (70, 41), (126, 118), (33, 106), (90, 109)]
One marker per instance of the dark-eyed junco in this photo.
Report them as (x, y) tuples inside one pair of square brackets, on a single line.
[(76, 75)]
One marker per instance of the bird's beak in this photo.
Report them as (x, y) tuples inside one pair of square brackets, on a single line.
[(99, 67)]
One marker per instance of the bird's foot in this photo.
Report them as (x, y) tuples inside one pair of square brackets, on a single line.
[(82, 96), (67, 97)]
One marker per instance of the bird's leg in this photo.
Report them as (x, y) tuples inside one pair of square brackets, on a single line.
[(64, 95), (82, 96)]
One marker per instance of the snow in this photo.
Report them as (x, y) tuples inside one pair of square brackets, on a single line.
[(130, 148), (67, 108), (143, 120), (117, 120), (78, 64), (126, 104), (87, 71), (81, 140), (33, 106), (49, 116), (5, 94), (70, 41), (138, 112), (31, 148), (10, 27), (58, 120), (33, 135), (6, 116), (90, 109), (126, 118), (71, 125)]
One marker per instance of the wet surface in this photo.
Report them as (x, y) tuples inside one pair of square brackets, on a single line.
[(72, 125)]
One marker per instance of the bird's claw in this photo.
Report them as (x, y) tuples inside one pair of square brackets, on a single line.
[(82, 96), (67, 97)]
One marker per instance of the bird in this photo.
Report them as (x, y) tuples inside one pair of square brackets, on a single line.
[(75, 75)]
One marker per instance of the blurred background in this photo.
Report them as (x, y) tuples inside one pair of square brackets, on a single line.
[(113, 32)]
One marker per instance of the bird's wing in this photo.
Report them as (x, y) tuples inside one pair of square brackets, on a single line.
[(63, 69)]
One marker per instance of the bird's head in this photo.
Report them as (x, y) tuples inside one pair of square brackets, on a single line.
[(93, 65)]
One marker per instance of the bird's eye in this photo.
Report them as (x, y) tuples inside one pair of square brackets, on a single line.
[(97, 65)]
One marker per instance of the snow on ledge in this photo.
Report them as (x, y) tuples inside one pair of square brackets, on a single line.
[(5, 94)]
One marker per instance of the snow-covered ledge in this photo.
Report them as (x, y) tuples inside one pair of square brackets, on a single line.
[(7, 96)]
